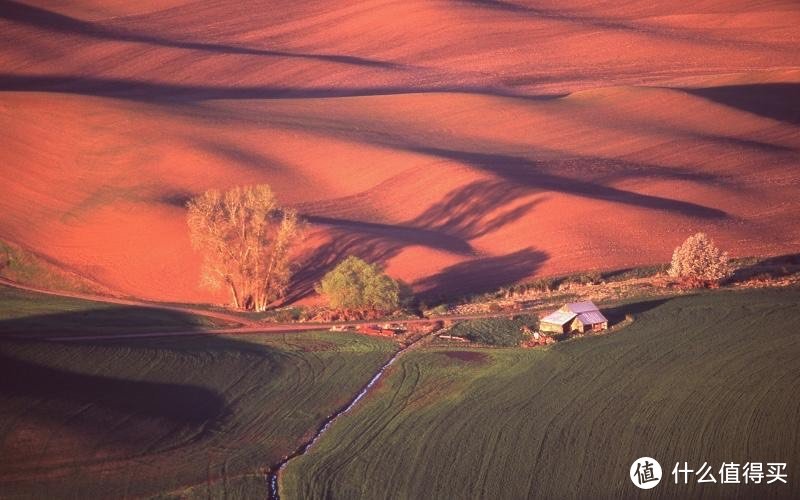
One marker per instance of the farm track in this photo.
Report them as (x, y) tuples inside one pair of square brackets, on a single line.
[(246, 326)]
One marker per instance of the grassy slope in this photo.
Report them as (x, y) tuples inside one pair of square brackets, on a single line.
[(23, 312), (494, 331), (196, 416), (705, 378), (26, 267)]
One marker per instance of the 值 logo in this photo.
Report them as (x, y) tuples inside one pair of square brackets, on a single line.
[(645, 473)]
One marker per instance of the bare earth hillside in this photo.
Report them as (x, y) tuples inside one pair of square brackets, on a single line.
[(464, 144)]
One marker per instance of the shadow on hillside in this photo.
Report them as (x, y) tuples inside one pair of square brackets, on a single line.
[(746, 144), (179, 403), (476, 209), (59, 23), (231, 152), (778, 101), (528, 173), (634, 27), (107, 320), (481, 275), (614, 24), (176, 93), (342, 243), (402, 235), (616, 315), (586, 176), (769, 268), (465, 213), (84, 390)]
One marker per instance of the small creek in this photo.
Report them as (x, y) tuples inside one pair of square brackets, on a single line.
[(305, 447)]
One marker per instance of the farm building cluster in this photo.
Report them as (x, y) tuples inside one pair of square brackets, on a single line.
[(579, 317)]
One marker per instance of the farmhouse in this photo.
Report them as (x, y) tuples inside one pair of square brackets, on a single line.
[(575, 316)]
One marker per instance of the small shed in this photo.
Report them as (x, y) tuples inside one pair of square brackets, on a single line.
[(557, 322), (591, 321)]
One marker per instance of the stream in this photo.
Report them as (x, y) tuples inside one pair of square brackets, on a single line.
[(303, 449)]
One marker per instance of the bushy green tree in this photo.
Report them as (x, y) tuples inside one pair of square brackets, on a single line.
[(357, 285)]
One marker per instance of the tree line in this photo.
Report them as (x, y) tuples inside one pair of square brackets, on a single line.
[(247, 242)]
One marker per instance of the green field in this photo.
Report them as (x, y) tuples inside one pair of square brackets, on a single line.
[(707, 378), (200, 416), (502, 332)]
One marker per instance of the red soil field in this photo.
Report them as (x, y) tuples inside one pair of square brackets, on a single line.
[(464, 144)]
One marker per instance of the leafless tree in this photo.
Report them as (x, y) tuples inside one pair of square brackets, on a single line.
[(246, 241)]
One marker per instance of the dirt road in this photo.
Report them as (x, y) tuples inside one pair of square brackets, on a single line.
[(240, 325)]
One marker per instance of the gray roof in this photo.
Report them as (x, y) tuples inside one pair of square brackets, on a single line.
[(558, 318), (591, 318), (581, 307)]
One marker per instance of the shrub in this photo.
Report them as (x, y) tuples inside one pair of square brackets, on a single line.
[(494, 307), (590, 278), (357, 285), (634, 273), (288, 314), (699, 261), (543, 284), (438, 310)]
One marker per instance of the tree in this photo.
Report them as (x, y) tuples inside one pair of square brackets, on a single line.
[(246, 241), (699, 261), (356, 285)]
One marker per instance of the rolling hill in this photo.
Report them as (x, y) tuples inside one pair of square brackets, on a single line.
[(463, 144)]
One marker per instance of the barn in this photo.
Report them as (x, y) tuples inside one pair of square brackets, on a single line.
[(557, 322), (576, 316)]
